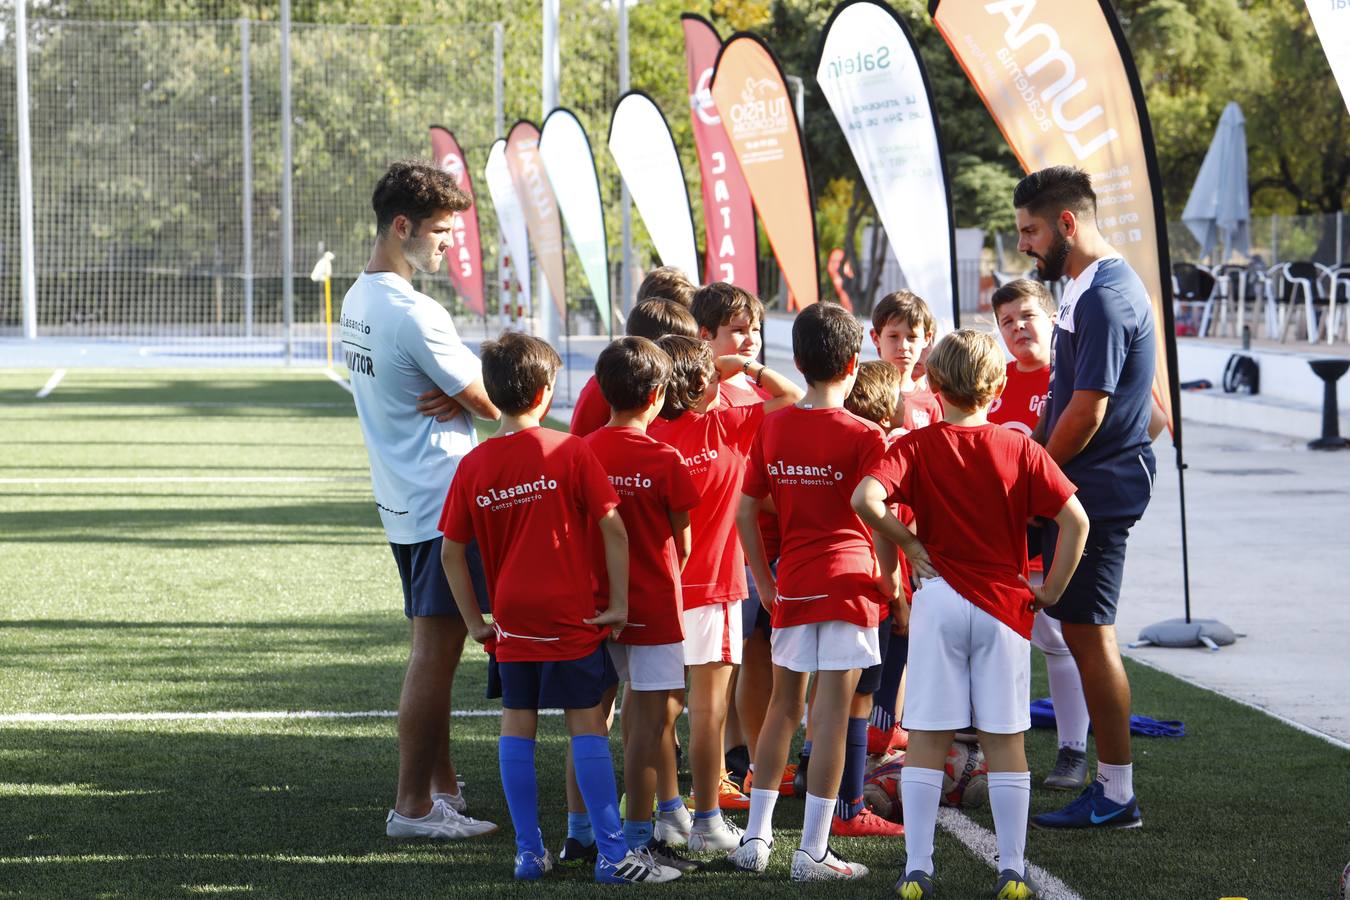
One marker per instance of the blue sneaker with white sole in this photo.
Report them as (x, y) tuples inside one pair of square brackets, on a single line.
[(1092, 809), (531, 866)]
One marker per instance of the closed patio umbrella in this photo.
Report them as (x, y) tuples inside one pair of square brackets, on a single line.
[(1218, 208)]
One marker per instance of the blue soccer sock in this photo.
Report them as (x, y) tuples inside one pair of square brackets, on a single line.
[(637, 834), (579, 828), (595, 777), (806, 749), (516, 757), (849, 803), (883, 699), (669, 806)]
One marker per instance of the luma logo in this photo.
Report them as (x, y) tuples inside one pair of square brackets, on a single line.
[(1019, 34)]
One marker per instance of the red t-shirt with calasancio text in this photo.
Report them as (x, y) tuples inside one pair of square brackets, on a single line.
[(591, 412), (732, 394), (714, 446), (972, 490), (810, 461), (1019, 406), (531, 499), (651, 481)]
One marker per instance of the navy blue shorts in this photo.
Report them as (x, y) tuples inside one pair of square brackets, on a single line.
[(557, 684), (1094, 590), (870, 679), (753, 614), (425, 590)]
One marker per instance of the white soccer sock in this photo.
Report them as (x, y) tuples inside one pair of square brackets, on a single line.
[(1010, 801), (1117, 781), (920, 792), (761, 815), (1066, 693), (816, 825)]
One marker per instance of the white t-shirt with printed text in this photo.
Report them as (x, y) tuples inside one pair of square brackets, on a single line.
[(399, 344)]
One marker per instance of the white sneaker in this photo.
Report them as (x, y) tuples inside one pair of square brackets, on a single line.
[(442, 823), (725, 838), (752, 855), (673, 827), (458, 802), (637, 867), (831, 868)]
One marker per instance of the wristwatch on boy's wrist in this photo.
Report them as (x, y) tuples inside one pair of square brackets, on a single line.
[(745, 368)]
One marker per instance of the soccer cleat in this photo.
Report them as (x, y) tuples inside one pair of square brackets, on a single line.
[(575, 854), (828, 868), (530, 866), (1070, 772), (442, 823), (672, 827), (799, 776), (865, 824), (784, 783), (737, 761), (917, 885), (1012, 886), (666, 855), (752, 855), (638, 867), (1092, 809), (723, 839), (881, 741), (458, 802), (729, 796)]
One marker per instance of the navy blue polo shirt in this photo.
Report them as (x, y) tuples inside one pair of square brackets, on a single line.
[(1104, 342)]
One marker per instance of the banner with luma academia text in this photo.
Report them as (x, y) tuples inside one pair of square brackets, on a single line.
[(871, 75), (464, 257), (752, 100), (1059, 80), (1331, 18)]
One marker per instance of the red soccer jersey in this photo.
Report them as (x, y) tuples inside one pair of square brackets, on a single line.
[(810, 460), (972, 490), (651, 481), (1020, 405), (922, 408), (714, 446), (729, 393), (530, 499), (591, 412)]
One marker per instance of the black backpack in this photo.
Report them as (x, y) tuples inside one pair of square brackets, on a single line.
[(1242, 374)]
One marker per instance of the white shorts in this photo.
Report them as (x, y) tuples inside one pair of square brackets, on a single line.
[(649, 667), (712, 634), (965, 666), (1047, 636), (825, 647)]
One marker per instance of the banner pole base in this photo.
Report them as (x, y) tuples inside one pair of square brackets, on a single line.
[(1209, 633)]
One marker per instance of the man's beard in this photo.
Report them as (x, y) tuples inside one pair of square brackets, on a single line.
[(1053, 269)]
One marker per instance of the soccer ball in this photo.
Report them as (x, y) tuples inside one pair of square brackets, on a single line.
[(881, 792), (1343, 891), (965, 777)]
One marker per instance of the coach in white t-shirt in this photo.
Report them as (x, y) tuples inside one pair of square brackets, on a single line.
[(404, 355)]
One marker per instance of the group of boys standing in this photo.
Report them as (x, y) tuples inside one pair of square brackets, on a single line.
[(619, 552)]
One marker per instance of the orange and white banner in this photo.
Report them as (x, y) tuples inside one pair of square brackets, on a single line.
[(540, 205), (1058, 78), (752, 101)]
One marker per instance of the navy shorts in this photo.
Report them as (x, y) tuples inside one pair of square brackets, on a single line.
[(1094, 590), (556, 684), (425, 590), (753, 614), (870, 679)]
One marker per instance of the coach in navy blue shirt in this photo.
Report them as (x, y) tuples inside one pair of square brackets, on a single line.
[(1097, 425)]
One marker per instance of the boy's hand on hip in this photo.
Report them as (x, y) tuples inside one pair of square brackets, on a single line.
[(1040, 597), (481, 630), (920, 566), (615, 619)]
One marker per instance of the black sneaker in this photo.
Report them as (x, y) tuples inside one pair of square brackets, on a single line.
[(575, 854), (799, 779), (666, 855), (738, 763)]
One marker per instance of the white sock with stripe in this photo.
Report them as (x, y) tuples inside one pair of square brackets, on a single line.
[(1010, 801)]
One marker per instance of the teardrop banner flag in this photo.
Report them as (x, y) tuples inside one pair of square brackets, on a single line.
[(570, 164), (641, 143), (732, 253), (874, 80), (1331, 19), (752, 100), (1059, 80), (540, 206), (464, 257), (511, 223)]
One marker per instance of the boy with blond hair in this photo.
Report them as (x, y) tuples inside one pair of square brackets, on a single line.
[(972, 485)]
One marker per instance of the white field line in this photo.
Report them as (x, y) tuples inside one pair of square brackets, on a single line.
[(338, 380), (51, 383), (193, 479), (1297, 726), (237, 715), (199, 404), (984, 844)]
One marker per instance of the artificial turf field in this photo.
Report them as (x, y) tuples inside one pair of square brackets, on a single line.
[(203, 541)]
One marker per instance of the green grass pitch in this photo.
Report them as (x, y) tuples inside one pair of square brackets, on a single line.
[(205, 540)]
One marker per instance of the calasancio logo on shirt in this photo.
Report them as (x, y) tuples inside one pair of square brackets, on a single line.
[(792, 473), (699, 462), (498, 499), (629, 485)]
